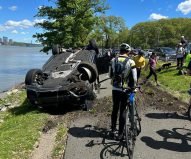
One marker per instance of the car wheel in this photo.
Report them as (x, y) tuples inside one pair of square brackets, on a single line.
[(33, 76), (55, 49), (88, 70)]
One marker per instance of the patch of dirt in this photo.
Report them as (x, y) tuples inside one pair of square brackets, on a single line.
[(154, 97)]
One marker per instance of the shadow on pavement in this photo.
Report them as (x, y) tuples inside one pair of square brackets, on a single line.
[(111, 147), (173, 140), (173, 115)]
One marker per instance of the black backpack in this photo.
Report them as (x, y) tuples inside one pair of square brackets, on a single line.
[(118, 75)]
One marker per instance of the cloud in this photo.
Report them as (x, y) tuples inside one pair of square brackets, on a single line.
[(17, 32), (39, 7), (1, 7), (184, 7), (13, 8), (155, 16), (39, 20), (14, 32), (23, 24), (24, 33)]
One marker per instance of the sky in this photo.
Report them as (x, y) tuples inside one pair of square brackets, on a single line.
[(17, 16)]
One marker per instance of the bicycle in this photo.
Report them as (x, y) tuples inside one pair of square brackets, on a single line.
[(132, 126)]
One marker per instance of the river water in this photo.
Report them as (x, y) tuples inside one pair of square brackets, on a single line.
[(16, 61)]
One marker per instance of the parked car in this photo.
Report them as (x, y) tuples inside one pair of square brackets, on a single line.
[(166, 53), (67, 77), (148, 52)]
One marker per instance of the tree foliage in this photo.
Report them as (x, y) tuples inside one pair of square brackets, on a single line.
[(110, 30), (69, 22), (165, 32)]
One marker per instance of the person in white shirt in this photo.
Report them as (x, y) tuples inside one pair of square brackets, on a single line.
[(180, 55)]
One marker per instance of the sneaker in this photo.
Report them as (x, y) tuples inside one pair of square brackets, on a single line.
[(120, 137), (112, 134)]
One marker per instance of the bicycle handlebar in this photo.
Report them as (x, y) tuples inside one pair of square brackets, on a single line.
[(137, 88)]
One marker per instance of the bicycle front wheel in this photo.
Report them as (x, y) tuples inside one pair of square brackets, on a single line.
[(137, 120), (129, 137)]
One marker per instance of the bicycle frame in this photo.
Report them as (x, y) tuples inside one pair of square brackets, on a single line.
[(131, 105)]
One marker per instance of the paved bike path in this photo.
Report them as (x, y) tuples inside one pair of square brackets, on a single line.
[(164, 135), (168, 138)]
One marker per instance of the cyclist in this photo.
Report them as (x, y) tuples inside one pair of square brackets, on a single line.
[(127, 78), (139, 63)]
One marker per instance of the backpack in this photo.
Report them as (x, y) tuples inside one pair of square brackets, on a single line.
[(118, 75)]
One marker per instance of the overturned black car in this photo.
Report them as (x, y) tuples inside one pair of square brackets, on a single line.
[(68, 77)]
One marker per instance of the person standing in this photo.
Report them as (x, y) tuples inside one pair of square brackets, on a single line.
[(139, 63), (152, 67), (180, 55), (188, 63), (124, 75), (93, 46)]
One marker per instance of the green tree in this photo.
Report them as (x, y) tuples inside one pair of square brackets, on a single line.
[(108, 30), (69, 22), (164, 32)]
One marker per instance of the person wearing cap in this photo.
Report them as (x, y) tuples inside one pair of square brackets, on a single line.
[(180, 55), (139, 63), (118, 96)]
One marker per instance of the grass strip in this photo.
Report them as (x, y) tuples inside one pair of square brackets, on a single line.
[(20, 128)]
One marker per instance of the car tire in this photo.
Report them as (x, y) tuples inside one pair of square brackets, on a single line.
[(31, 76), (91, 67), (55, 49)]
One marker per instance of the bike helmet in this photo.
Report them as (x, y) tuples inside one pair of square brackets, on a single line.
[(125, 47)]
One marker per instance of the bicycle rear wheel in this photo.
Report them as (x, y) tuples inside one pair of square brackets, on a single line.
[(129, 136)]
